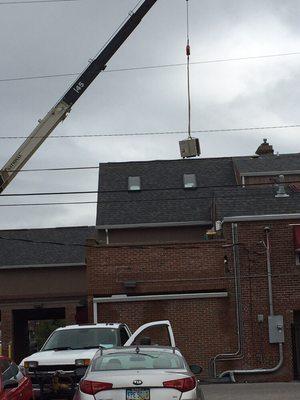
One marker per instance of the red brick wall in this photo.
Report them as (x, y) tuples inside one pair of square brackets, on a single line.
[(204, 328), (192, 320), (286, 293), (6, 330)]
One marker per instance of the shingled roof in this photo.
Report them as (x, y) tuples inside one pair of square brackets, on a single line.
[(53, 246), (163, 200), (268, 164), (256, 201)]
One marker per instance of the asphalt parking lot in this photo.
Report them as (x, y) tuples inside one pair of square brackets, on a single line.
[(253, 391)]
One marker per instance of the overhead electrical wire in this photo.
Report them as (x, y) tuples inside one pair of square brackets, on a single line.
[(145, 246), (231, 197), (149, 67), (6, 3), (229, 186), (84, 168), (103, 192), (179, 132)]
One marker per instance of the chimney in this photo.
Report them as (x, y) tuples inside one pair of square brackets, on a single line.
[(281, 188), (265, 149)]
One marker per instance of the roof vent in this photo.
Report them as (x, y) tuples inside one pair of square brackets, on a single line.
[(189, 181), (281, 188), (134, 183), (265, 149)]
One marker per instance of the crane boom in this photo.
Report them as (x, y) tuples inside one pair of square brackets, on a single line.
[(60, 111)]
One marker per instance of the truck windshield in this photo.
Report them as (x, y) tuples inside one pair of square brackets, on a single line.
[(83, 338)]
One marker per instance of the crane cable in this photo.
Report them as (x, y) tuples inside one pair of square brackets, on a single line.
[(188, 53)]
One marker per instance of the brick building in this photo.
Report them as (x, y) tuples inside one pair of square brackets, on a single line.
[(183, 240), (203, 243), (42, 277)]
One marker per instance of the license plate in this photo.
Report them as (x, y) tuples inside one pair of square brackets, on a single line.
[(138, 394)]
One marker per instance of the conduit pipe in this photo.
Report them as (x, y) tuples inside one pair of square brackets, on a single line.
[(237, 355), (231, 373), (256, 371)]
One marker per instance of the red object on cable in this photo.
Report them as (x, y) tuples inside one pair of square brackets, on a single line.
[(188, 50), (183, 385), (297, 238), (93, 387)]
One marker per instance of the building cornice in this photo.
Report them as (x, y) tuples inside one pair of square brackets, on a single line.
[(155, 225), (264, 217), (31, 266)]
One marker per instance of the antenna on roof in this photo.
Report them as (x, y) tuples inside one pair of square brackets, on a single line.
[(189, 147)]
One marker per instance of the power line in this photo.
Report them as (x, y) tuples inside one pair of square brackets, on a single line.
[(47, 242), (74, 203), (5, 3), (54, 169), (158, 133), (160, 246), (145, 190), (48, 204), (231, 196), (158, 66)]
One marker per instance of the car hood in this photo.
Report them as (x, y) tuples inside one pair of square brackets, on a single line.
[(60, 357)]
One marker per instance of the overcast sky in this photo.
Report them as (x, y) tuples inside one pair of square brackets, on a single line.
[(59, 38)]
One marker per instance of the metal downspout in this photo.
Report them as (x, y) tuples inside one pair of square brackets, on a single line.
[(269, 270), (95, 312), (271, 308), (238, 309)]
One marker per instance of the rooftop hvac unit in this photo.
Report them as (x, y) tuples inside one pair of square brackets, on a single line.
[(189, 148)]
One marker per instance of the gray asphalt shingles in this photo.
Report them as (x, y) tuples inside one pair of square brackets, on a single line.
[(282, 162), (20, 252), (163, 198)]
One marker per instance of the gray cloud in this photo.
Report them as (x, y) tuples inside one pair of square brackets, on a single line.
[(60, 38)]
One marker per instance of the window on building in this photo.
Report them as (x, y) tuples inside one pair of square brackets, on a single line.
[(297, 258), (189, 181), (134, 183)]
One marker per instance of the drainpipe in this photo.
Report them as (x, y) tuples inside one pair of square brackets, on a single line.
[(238, 307), (231, 373), (269, 270), (107, 236)]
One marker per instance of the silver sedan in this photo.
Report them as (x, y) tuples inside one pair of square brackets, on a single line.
[(139, 373)]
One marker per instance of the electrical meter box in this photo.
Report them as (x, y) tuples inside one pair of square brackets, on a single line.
[(189, 148), (276, 329)]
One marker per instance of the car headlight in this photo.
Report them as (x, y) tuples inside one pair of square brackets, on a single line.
[(30, 364), (82, 362)]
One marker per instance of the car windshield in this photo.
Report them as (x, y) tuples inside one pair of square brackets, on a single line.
[(142, 360), (83, 338)]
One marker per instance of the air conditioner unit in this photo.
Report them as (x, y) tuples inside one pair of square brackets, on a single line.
[(189, 148)]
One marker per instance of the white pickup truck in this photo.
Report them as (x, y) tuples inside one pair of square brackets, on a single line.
[(57, 368)]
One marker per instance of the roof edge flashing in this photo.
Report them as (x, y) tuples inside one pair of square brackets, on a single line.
[(268, 173), (29, 266), (263, 217), (155, 225), (158, 297)]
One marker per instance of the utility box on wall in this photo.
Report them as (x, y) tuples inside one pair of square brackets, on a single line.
[(276, 329)]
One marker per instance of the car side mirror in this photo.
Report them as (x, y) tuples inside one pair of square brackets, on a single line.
[(196, 369), (80, 372), (11, 384)]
